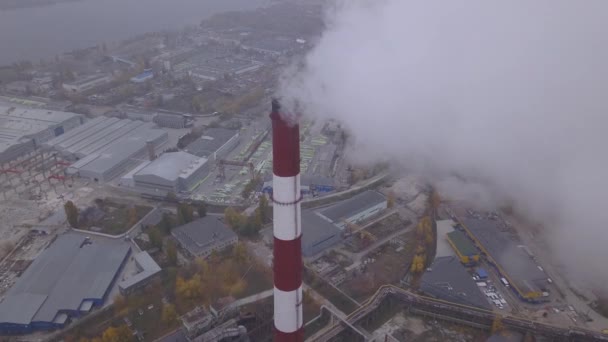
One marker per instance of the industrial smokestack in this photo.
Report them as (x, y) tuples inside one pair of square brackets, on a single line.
[(287, 228)]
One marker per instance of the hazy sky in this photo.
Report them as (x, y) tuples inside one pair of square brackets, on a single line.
[(510, 94)]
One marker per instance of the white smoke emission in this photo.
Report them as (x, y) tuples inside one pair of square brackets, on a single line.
[(509, 94)]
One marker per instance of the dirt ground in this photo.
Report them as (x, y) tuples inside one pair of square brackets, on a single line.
[(386, 266)]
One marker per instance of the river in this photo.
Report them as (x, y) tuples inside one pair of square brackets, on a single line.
[(43, 32)]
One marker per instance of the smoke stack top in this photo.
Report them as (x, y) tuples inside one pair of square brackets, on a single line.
[(286, 143)]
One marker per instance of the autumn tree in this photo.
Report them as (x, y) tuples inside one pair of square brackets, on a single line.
[(239, 252), (390, 200), (497, 325), (169, 315), (119, 304), (71, 213), (132, 217), (171, 253), (233, 218), (418, 264), (117, 334)]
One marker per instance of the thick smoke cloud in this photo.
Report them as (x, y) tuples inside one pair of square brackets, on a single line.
[(512, 95)]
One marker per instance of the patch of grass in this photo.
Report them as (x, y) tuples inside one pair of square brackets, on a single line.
[(326, 290), (111, 217)]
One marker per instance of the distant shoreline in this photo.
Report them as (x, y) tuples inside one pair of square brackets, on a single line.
[(7, 5)]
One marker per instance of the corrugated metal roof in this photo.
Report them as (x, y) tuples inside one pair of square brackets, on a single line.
[(463, 244), (172, 165), (352, 206), (210, 141), (447, 279), (521, 270), (197, 236), (62, 276)]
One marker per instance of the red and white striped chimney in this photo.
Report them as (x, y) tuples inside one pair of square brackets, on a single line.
[(288, 321)]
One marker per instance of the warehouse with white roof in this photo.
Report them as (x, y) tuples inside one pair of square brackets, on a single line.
[(171, 172), (105, 148), (24, 129)]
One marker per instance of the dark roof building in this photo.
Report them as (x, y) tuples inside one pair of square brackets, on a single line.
[(317, 234), (464, 247), (203, 236), (356, 208), (447, 279), (214, 144), (513, 262), (67, 279)]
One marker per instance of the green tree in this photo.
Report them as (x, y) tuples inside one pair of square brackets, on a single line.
[(202, 210), (234, 219), (185, 213), (165, 225), (156, 237), (264, 209), (171, 253), (169, 315), (71, 213), (171, 197)]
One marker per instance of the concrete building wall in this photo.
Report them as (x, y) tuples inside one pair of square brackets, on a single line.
[(187, 183), (170, 120), (227, 147)]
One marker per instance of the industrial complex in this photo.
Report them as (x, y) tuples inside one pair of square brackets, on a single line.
[(355, 209), (67, 280), (446, 278), (104, 148), (214, 144), (171, 172), (512, 261), (24, 129)]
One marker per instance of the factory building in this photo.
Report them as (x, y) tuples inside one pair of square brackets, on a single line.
[(464, 248), (527, 279), (105, 148), (214, 144), (171, 120), (317, 234), (24, 129), (87, 83), (355, 209), (147, 270), (171, 172), (73, 275), (447, 279), (203, 236)]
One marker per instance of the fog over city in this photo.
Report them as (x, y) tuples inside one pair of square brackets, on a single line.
[(510, 96)]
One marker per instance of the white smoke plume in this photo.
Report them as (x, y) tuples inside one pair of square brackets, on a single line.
[(509, 94)]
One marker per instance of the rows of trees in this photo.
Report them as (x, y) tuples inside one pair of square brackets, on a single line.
[(249, 225), (425, 239), (207, 280)]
